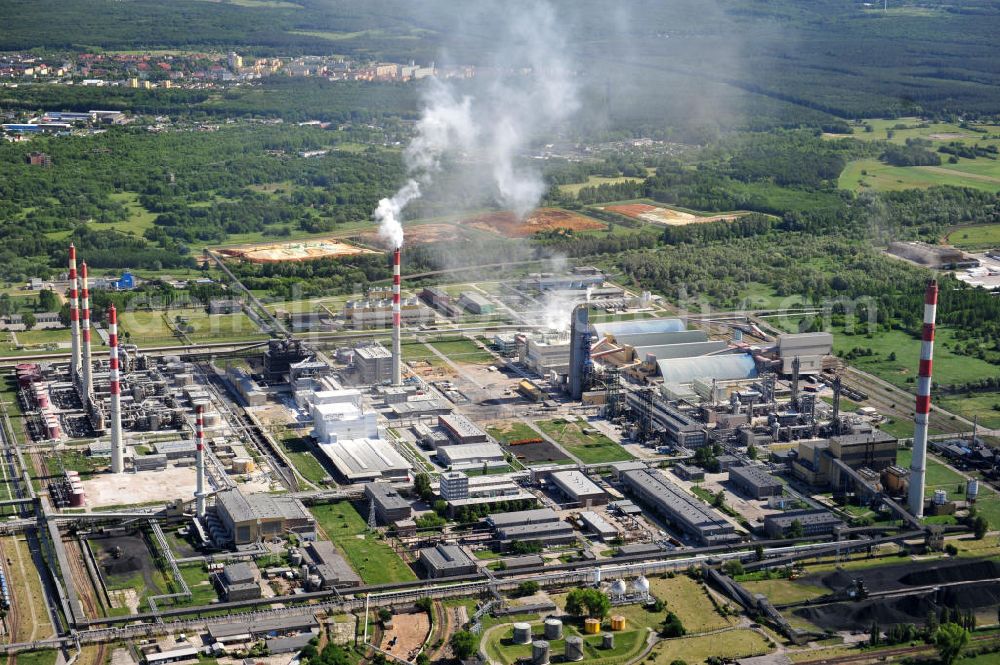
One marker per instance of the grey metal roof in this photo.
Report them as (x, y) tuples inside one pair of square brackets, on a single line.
[(386, 496), (240, 573), (469, 451), (236, 505), (722, 367), (804, 517), (445, 557), (534, 531), (753, 475), (672, 500), (460, 425), (535, 516), (575, 484), (638, 326)]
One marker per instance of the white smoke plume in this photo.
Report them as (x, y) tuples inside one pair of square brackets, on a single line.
[(531, 89)]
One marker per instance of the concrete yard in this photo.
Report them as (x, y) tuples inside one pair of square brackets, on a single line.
[(109, 489)]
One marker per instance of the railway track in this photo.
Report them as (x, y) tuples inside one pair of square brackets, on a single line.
[(882, 655)]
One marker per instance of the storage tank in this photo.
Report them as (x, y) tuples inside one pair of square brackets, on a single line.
[(642, 586), (211, 418), (617, 622), (618, 588), (592, 626), (539, 652), (76, 497), (574, 648), (522, 633), (940, 497), (608, 641), (295, 557), (243, 465), (972, 490), (553, 629)]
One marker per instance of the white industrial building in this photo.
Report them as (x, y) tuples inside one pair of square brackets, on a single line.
[(809, 348), (339, 414)]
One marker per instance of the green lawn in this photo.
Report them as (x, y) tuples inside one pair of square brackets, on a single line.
[(593, 448), (948, 367), (198, 581), (872, 174), (512, 431), (982, 236), (463, 350), (372, 558), (593, 181), (157, 328), (40, 657), (781, 591), (984, 405), (34, 341), (297, 450), (690, 602), (627, 644), (139, 219), (730, 645), (939, 476)]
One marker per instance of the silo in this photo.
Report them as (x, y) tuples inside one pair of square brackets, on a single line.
[(940, 497), (539, 652), (553, 629), (522, 633), (592, 626), (574, 648), (972, 490), (608, 641), (617, 622)]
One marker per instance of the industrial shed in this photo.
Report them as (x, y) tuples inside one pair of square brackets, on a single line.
[(578, 488), (755, 482), (446, 561), (683, 510)]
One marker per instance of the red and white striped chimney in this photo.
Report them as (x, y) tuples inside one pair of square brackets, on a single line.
[(397, 312), (117, 445), (74, 318), (199, 437), (88, 367), (918, 466)]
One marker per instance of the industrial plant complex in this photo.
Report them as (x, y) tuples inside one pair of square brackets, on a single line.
[(259, 495)]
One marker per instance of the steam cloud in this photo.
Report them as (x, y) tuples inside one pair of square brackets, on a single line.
[(531, 93)]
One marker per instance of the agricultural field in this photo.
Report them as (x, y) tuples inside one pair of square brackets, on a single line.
[(982, 236), (370, 557), (590, 447), (594, 181)]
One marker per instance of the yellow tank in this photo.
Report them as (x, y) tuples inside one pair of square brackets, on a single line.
[(592, 626), (617, 622), (243, 465)]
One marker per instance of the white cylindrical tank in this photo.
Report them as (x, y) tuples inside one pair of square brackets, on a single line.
[(574, 648), (940, 497), (522, 633), (972, 490), (553, 629)]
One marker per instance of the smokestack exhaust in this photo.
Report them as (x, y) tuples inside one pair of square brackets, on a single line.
[(918, 467), (117, 445), (397, 344), (88, 367), (199, 435), (74, 319)]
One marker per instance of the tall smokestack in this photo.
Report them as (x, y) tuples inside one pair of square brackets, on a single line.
[(88, 366), (117, 445), (74, 318), (918, 466), (397, 344), (199, 436)]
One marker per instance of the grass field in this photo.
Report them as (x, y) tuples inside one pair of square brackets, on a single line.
[(948, 366), (512, 431), (983, 236), (372, 558), (461, 350), (940, 476), (157, 328), (590, 448), (33, 341), (139, 219), (297, 450), (781, 591), (729, 645), (593, 181), (499, 647), (976, 404), (690, 602)]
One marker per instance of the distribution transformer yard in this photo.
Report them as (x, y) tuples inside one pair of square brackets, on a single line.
[(304, 487)]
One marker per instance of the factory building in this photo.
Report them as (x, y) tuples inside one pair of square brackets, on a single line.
[(939, 257), (461, 429), (575, 281), (471, 456), (238, 581), (377, 313), (440, 300), (255, 517), (809, 348), (535, 516), (598, 526), (373, 363), (339, 414), (873, 450), (578, 488), (446, 561), (475, 303), (814, 523), (330, 567), (688, 472), (454, 485), (678, 427), (546, 352), (365, 460), (389, 505), (480, 490), (176, 450), (684, 511), (548, 533), (755, 482)]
